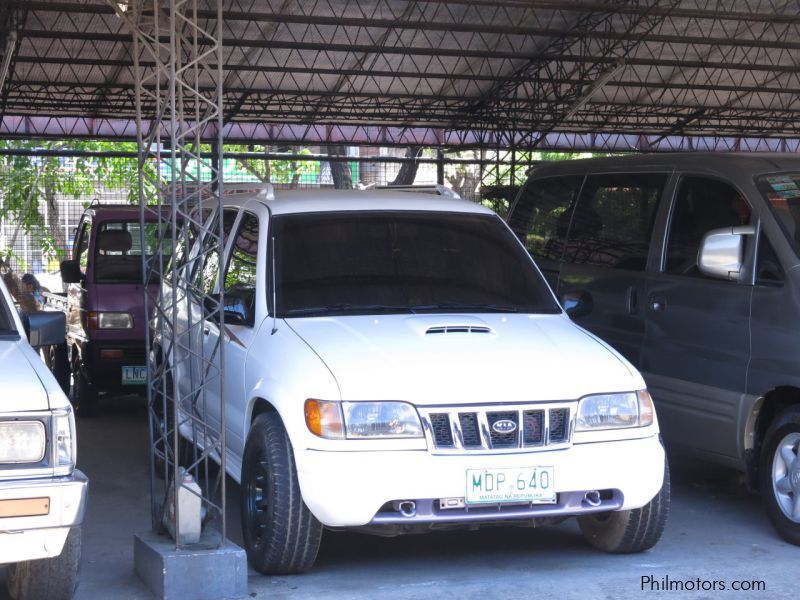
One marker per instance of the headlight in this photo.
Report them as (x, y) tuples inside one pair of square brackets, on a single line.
[(65, 451), (110, 320), (381, 419), (362, 420), (22, 441), (615, 411)]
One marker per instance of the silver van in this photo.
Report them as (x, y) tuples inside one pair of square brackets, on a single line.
[(688, 265)]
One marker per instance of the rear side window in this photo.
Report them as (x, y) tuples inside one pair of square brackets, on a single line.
[(613, 222), (542, 214), (701, 205)]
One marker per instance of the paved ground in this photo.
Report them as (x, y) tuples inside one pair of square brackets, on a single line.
[(716, 532)]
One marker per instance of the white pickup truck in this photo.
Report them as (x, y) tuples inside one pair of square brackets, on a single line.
[(395, 362), (42, 494)]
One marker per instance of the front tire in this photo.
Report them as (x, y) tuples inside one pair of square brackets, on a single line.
[(629, 531), (780, 474), (84, 396), (53, 578), (280, 533)]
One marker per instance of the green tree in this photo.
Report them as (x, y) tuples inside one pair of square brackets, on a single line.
[(31, 185)]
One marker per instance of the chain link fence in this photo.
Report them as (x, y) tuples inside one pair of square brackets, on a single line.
[(42, 196)]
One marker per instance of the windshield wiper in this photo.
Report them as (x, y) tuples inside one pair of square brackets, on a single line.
[(337, 308), (466, 306)]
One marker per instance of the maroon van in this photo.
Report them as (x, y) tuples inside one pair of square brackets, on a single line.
[(104, 301)]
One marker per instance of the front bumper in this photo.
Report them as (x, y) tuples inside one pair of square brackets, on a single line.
[(42, 535), (106, 373), (348, 489)]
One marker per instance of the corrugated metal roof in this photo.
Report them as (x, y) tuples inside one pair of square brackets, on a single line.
[(511, 70)]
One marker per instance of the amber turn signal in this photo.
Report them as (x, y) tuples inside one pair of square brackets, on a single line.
[(324, 419)]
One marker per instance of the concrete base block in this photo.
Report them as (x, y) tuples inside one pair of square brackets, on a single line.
[(201, 572)]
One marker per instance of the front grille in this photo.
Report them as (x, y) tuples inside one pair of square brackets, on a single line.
[(502, 439), (495, 428), (469, 430)]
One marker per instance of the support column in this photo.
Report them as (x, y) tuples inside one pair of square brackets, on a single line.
[(179, 106)]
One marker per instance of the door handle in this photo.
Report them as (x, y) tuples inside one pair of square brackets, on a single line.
[(657, 304), (206, 330), (632, 300)]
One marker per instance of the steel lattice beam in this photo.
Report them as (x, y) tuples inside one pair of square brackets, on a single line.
[(173, 114)]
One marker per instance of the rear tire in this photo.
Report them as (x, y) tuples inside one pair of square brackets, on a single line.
[(629, 531), (780, 474), (84, 396), (280, 533), (48, 578)]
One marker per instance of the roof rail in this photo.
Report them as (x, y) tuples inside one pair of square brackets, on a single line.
[(438, 189), (264, 190)]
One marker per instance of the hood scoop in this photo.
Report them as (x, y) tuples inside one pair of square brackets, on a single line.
[(445, 329)]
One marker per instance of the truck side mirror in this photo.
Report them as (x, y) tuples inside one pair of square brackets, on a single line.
[(71, 271), (46, 328), (722, 250)]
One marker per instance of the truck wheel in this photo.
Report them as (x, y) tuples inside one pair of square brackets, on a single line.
[(780, 474), (58, 362), (280, 533), (49, 578), (84, 396), (629, 531)]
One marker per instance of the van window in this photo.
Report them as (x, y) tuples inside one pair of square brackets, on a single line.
[(118, 250), (768, 267), (782, 192), (542, 213), (701, 205), (613, 221)]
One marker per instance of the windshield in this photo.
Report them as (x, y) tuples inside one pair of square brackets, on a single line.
[(782, 192), (402, 262), (118, 251)]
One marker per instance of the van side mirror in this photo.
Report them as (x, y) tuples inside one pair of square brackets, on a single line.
[(71, 271), (721, 253), (577, 304), (46, 328)]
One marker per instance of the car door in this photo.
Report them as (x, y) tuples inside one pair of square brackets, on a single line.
[(227, 352), (606, 255), (191, 351), (697, 340)]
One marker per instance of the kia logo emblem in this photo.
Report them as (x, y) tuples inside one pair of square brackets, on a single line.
[(504, 426)]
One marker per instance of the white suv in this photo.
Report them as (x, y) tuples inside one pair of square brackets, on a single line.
[(395, 362)]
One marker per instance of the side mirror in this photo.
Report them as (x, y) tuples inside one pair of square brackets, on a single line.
[(46, 328), (71, 271), (577, 304), (721, 253)]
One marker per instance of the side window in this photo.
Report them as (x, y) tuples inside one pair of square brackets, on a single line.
[(542, 214), (240, 277), (613, 221), (701, 205), (82, 249), (768, 267), (206, 278)]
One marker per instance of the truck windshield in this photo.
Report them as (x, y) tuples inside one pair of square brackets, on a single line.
[(118, 251), (782, 192), (402, 262)]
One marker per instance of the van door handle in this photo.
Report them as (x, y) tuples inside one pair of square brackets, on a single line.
[(631, 300), (657, 304), (206, 330)]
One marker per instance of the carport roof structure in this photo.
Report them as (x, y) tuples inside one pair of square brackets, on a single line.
[(616, 75)]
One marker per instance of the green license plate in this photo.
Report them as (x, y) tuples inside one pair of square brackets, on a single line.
[(134, 375), (523, 484)]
